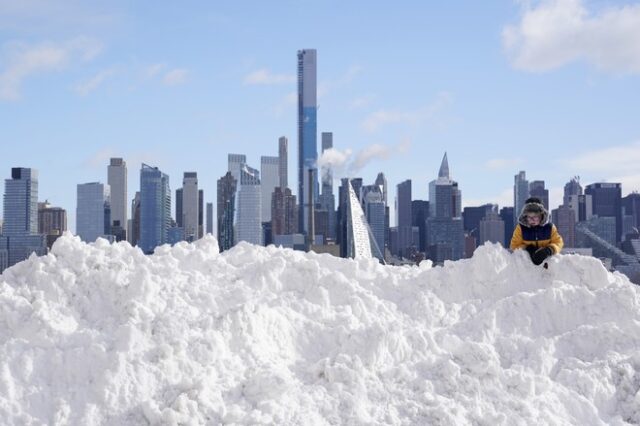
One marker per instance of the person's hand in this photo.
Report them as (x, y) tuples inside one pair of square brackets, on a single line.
[(541, 254)]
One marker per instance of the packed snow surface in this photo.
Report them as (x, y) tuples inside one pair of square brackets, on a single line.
[(102, 334)]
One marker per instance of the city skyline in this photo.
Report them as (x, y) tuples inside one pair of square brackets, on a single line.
[(411, 85)]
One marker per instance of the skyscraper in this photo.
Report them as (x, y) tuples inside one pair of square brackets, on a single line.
[(537, 189), (155, 208), (491, 227), (403, 212), (93, 211), (190, 206), (117, 181), (210, 218), (283, 157), (572, 187), (445, 230), (19, 232), (179, 211), (327, 200), (226, 197), (307, 133), (374, 213), (520, 194), (565, 220), (284, 215), (21, 202), (269, 180), (607, 202), (247, 226), (52, 221), (134, 231), (631, 205)]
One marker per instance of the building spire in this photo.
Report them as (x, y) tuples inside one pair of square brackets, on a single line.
[(444, 168)]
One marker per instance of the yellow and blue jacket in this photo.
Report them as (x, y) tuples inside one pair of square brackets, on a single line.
[(544, 235)]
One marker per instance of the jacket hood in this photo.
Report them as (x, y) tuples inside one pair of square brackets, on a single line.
[(533, 206)]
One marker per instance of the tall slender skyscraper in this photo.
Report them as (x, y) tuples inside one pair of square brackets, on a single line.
[(520, 194), (307, 133), (190, 206), (283, 157), (93, 211), (226, 198), (155, 208), (117, 180), (403, 214)]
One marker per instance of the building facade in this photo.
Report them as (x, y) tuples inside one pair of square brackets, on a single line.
[(117, 181), (155, 208), (307, 134)]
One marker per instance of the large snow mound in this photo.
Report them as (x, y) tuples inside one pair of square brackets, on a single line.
[(102, 334)]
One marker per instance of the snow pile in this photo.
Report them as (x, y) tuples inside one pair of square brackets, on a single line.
[(101, 334)]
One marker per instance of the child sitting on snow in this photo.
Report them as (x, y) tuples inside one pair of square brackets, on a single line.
[(535, 233)]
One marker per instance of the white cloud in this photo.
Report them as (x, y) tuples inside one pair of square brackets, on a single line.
[(153, 70), (25, 60), (88, 86), (502, 163), (175, 77), (615, 160), (361, 102), (416, 117), (266, 77), (556, 32), (613, 164)]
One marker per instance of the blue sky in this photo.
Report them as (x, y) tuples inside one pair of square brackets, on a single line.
[(549, 87)]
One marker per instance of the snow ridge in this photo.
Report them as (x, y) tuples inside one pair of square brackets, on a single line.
[(102, 334)]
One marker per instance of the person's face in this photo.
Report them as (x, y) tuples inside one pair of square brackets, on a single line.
[(533, 219)]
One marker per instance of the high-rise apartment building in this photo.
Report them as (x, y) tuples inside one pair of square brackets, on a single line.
[(93, 211), (155, 208), (520, 194), (117, 181), (190, 206), (307, 134), (52, 222), (284, 212)]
